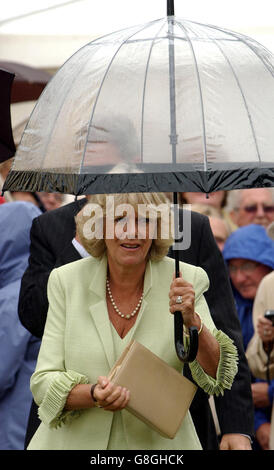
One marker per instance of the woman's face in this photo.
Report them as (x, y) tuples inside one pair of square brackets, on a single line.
[(132, 240), (246, 276)]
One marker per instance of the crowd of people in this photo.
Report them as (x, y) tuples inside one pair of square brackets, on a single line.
[(225, 290)]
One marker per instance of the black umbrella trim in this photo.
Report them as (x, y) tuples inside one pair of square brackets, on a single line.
[(195, 181)]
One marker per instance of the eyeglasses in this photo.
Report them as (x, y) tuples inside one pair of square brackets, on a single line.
[(246, 268), (254, 208)]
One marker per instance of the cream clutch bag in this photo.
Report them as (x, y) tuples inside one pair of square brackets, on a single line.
[(159, 395)]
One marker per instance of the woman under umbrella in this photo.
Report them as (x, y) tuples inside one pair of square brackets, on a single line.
[(125, 290)]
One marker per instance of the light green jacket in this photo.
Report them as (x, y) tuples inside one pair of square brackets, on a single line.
[(77, 347)]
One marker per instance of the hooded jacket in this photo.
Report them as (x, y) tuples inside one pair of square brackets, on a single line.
[(250, 242), (18, 348)]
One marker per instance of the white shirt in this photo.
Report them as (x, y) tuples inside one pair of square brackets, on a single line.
[(81, 250)]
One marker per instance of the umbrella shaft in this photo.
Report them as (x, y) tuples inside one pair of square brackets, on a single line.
[(176, 228), (172, 93)]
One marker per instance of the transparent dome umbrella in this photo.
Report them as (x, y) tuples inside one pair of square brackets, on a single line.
[(171, 105)]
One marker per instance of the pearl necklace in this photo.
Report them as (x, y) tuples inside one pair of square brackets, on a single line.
[(128, 316)]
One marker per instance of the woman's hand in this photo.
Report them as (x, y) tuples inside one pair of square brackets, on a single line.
[(109, 396), (265, 329), (208, 350), (179, 287)]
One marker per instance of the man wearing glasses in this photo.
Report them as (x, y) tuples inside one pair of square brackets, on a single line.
[(251, 206)]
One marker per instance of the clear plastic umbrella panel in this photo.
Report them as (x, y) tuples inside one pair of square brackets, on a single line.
[(170, 105)]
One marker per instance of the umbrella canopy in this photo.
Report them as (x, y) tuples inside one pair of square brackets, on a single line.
[(170, 105), (29, 81), (7, 147)]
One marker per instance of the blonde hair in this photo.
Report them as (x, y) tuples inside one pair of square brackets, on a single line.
[(97, 247)]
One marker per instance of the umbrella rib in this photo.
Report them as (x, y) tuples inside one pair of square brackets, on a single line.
[(241, 38), (200, 93), (243, 97), (103, 80), (144, 89)]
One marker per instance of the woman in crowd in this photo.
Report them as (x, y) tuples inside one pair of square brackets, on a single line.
[(249, 253), (260, 353), (260, 356), (125, 290)]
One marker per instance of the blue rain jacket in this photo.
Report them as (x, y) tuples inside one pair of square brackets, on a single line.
[(18, 348), (252, 243)]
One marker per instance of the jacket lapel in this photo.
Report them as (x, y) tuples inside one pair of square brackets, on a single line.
[(147, 287), (98, 310)]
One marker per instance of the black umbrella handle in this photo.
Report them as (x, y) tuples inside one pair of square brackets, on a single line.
[(191, 352)]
